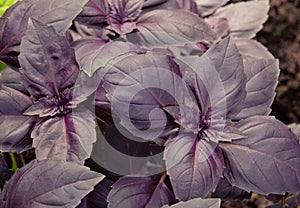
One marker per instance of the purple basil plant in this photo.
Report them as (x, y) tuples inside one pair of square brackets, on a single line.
[(140, 103)]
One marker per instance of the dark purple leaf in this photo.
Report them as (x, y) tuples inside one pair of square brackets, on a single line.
[(14, 127), (137, 90), (262, 75), (69, 137), (225, 190), (267, 161), (48, 184), (244, 24), (253, 48), (197, 203), (13, 79), (122, 153), (218, 80), (57, 13), (94, 54), (48, 64), (194, 166), (94, 14), (97, 198), (5, 173), (139, 192), (82, 31), (102, 106), (206, 7), (150, 3), (171, 27)]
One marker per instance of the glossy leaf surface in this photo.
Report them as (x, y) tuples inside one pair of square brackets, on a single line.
[(139, 192), (48, 184), (267, 161), (69, 137), (194, 166)]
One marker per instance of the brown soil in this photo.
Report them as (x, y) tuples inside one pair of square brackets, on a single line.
[(281, 35)]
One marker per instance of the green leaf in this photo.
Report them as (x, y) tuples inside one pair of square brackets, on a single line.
[(4, 4), (2, 66)]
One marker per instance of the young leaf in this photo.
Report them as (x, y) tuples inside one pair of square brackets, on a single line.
[(267, 161), (171, 27), (139, 192), (56, 13), (194, 166), (244, 24), (206, 7), (218, 79), (197, 203), (14, 126), (123, 15), (48, 64), (48, 184), (262, 75), (69, 137)]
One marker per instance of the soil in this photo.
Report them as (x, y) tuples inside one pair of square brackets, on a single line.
[(281, 35)]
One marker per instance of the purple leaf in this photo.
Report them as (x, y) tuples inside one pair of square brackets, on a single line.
[(220, 26), (150, 3), (5, 173), (295, 128), (56, 13), (253, 48), (86, 47), (171, 27), (225, 190), (48, 184), (262, 75), (69, 137), (125, 154), (197, 203), (139, 192), (48, 62), (97, 198), (244, 24), (188, 5), (94, 54), (123, 15), (137, 90), (14, 127), (13, 79), (94, 14), (206, 7), (267, 161), (194, 166), (218, 80)]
